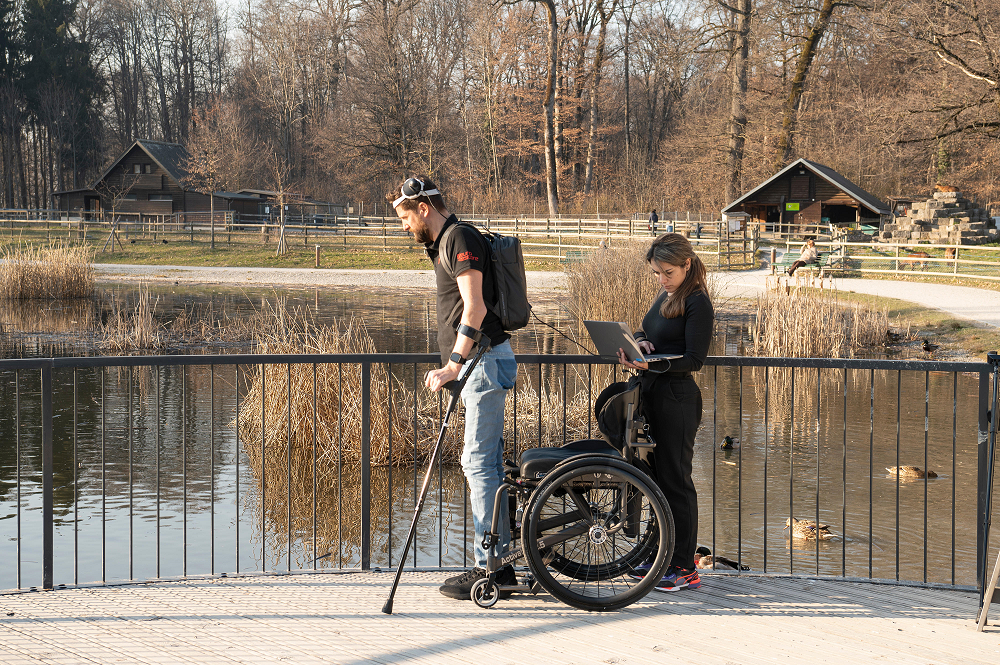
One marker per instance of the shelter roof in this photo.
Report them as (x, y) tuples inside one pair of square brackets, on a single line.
[(837, 180)]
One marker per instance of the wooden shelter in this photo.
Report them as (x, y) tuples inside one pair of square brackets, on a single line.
[(805, 198), (149, 178)]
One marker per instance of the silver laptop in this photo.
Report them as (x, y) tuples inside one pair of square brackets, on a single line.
[(609, 336)]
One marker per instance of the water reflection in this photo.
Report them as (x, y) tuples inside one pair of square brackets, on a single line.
[(152, 478)]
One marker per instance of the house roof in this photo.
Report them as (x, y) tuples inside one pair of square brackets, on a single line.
[(168, 156), (861, 196)]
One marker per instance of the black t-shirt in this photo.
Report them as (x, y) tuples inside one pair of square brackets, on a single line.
[(688, 335), (467, 249)]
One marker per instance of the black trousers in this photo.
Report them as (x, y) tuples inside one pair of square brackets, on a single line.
[(672, 407)]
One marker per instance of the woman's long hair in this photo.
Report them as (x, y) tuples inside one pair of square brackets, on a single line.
[(673, 248)]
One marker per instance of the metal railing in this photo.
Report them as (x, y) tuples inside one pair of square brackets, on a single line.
[(134, 468)]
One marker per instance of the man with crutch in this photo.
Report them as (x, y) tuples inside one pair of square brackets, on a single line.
[(465, 284)]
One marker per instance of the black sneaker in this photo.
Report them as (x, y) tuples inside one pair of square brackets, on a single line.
[(455, 579), (460, 587)]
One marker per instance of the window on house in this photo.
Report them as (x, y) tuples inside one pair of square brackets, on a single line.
[(147, 168), (130, 197), (137, 168), (161, 197)]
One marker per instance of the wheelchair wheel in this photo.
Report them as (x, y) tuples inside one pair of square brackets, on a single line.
[(589, 525)]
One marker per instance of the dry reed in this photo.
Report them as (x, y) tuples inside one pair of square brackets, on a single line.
[(132, 326), (46, 272), (814, 325), (285, 392)]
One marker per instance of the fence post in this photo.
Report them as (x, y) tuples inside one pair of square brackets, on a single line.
[(987, 448), (366, 488), (46, 477)]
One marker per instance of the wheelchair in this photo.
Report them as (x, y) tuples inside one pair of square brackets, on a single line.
[(584, 516)]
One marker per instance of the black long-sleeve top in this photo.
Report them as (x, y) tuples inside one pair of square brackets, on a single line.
[(688, 335)]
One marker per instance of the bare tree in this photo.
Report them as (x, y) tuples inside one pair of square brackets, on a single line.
[(605, 13), (114, 188), (742, 11), (205, 164), (803, 65)]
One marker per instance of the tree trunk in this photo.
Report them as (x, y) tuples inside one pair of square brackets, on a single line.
[(738, 105), (806, 56), (548, 106), (628, 101), (595, 83)]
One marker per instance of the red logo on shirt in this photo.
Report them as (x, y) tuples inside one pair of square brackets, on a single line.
[(467, 256)]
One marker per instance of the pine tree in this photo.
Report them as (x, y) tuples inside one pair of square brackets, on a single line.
[(56, 58)]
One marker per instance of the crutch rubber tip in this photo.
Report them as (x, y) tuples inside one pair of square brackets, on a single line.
[(387, 608)]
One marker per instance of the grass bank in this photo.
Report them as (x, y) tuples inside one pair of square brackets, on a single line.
[(960, 339), (250, 251)]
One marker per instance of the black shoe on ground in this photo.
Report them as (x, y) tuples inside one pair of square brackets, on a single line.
[(455, 579), (460, 587)]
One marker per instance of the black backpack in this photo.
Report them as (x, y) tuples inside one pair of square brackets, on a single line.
[(512, 306)]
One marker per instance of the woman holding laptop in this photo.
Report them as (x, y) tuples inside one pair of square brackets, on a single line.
[(680, 322)]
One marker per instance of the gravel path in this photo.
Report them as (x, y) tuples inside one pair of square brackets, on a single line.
[(419, 279), (967, 302), (979, 305)]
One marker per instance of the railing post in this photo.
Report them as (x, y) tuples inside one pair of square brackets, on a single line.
[(987, 449), (366, 440), (46, 477)]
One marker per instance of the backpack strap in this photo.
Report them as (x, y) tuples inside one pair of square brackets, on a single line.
[(446, 259)]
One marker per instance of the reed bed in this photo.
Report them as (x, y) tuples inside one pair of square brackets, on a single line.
[(613, 284), (814, 325), (810, 325), (54, 272), (132, 325), (284, 395)]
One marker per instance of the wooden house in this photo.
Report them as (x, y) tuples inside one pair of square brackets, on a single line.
[(805, 198), (149, 178)]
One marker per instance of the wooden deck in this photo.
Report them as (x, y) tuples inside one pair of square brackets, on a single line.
[(336, 618)]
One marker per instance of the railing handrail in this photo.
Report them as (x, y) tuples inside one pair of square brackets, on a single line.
[(521, 358)]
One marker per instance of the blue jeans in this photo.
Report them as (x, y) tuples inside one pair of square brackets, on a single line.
[(482, 456)]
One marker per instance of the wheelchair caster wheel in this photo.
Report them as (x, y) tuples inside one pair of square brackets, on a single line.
[(485, 594)]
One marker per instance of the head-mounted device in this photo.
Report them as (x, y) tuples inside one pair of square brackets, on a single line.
[(413, 188)]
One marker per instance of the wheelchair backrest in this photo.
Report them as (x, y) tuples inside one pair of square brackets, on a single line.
[(611, 409)]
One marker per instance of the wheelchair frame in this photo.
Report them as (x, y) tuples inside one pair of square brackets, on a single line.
[(576, 477), (573, 477)]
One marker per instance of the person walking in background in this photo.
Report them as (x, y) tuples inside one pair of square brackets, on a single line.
[(653, 219), (808, 255), (465, 283), (680, 322)]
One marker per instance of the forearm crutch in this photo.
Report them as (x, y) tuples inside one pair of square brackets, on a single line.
[(455, 387)]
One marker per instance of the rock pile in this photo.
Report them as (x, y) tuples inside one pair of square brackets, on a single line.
[(946, 219)]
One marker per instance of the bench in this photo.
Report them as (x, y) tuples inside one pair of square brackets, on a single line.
[(825, 262), (788, 258)]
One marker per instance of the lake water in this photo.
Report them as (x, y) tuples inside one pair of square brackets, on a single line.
[(158, 484)]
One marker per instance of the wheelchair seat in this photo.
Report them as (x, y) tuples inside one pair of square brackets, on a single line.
[(536, 462)]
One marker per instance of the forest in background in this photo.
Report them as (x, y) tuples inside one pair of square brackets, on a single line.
[(510, 106)]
